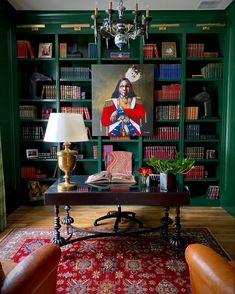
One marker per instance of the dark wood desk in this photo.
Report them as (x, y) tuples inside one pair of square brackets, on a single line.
[(113, 195)]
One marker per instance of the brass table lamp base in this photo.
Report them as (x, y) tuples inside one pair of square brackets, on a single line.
[(67, 162)]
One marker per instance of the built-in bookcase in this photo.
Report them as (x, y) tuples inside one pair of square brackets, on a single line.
[(196, 63)]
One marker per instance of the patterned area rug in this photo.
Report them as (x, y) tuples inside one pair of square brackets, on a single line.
[(133, 265)]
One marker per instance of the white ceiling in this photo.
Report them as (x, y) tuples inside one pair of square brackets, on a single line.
[(129, 4)]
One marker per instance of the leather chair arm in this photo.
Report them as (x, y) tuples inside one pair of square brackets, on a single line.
[(209, 272), (37, 273)]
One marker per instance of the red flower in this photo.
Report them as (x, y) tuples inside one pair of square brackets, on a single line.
[(144, 171)]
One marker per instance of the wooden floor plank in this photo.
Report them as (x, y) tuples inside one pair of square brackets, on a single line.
[(217, 220)]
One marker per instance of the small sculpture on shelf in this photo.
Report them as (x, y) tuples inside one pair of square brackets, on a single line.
[(204, 97), (34, 79)]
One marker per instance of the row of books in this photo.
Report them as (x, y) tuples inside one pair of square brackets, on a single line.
[(32, 132), (72, 50), (192, 131), (212, 70), (198, 172), (77, 109), (75, 72), (150, 51), (172, 91), (191, 112), (71, 92), (167, 71), (213, 192), (48, 155), (161, 152), (197, 50), (48, 92), (30, 172), (95, 151), (119, 54), (165, 133), (194, 152), (28, 112), (168, 112)]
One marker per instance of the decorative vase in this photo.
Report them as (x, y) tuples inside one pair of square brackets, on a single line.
[(167, 182), (144, 179)]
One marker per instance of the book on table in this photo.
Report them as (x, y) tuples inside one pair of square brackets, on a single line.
[(105, 177)]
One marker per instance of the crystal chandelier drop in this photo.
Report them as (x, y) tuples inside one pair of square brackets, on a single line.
[(121, 29)]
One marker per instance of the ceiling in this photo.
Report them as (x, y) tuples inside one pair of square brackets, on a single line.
[(129, 4)]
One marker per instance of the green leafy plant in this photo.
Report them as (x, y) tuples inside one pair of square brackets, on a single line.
[(171, 166)]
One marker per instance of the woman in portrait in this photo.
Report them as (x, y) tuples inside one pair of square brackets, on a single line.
[(123, 113)]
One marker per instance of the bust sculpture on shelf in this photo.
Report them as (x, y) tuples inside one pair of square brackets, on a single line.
[(204, 98)]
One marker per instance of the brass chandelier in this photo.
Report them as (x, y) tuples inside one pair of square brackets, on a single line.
[(121, 29)]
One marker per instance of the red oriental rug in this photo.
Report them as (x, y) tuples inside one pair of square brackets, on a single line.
[(132, 265)]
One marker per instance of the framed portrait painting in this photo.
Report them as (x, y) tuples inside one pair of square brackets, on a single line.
[(169, 50), (122, 100), (45, 50)]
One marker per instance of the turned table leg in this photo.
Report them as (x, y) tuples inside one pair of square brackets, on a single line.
[(57, 239), (176, 240), (165, 221)]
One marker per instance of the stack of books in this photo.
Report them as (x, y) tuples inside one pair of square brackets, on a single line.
[(213, 192), (150, 51), (161, 152), (63, 50), (48, 92), (192, 131), (28, 112), (194, 152), (172, 91), (168, 112), (24, 49), (191, 112), (92, 50), (70, 92), (196, 173), (75, 72), (77, 109)]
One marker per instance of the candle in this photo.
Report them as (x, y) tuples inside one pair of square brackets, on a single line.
[(110, 5), (147, 11), (136, 6), (96, 8)]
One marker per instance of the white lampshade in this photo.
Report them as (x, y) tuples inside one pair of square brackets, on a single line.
[(65, 127)]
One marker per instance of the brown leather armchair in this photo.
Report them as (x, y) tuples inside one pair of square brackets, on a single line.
[(35, 274), (209, 272)]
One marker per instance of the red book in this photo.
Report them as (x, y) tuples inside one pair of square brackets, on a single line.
[(22, 51)]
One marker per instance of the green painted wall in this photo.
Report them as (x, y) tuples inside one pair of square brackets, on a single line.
[(7, 108), (228, 201)]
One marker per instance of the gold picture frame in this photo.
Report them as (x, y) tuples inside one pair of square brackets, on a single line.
[(45, 50), (169, 50)]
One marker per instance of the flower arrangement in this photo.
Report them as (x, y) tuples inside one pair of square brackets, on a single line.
[(144, 171)]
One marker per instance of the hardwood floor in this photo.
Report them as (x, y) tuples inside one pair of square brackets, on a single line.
[(217, 220)]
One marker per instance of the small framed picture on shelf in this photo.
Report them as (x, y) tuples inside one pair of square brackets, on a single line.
[(31, 153), (45, 50), (169, 49)]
